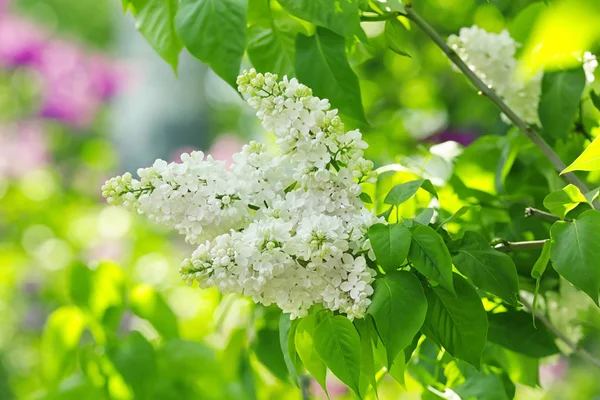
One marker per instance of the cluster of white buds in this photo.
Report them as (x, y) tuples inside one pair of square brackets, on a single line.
[(286, 228)]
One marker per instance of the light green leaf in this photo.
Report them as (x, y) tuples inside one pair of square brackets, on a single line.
[(521, 26), (398, 307), (391, 243), (458, 321), (595, 97), (589, 160), (429, 255), (398, 38), (561, 92), (367, 367), (60, 340), (400, 193), (339, 16), (338, 345), (304, 341), (575, 249), (461, 211), (80, 280), (322, 64), (389, 5), (147, 303), (287, 333), (562, 201), (540, 265), (185, 356), (514, 330), (518, 367), (269, 48), (107, 301), (490, 270), (269, 352), (135, 360), (214, 31), (155, 21)]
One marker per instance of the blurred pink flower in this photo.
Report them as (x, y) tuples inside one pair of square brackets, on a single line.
[(335, 388), (21, 41), (224, 147), (22, 149), (554, 372), (463, 137)]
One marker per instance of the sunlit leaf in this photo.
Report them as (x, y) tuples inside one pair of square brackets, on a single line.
[(305, 346), (287, 334), (400, 193), (429, 255), (562, 201), (149, 304), (589, 160)]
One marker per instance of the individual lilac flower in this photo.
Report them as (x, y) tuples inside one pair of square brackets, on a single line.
[(21, 41)]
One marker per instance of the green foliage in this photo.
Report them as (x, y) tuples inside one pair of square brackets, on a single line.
[(338, 344), (304, 340), (575, 247), (589, 160), (287, 333), (391, 243), (561, 91), (429, 255), (321, 63), (399, 308), (457, 321), (214, 31), (401, 193), (514, 330), (398, 37), (489, 269), (269, 352), (562, 201), (148, 304)]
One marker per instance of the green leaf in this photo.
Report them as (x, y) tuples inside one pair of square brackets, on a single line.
[(185, 356), (268, 351), (458, 321), (515, 331), (147, 303), (562, 201), (80, 281), (518, 367), (559, 102), (135, 360), (322, 64), (154, 20), (400, 193), (367, 367), (305, 346), (461, 211), (540, 265), (521, 26), (425, 216), (429, 255), (391, 243), (269, 48), (595, 97), (338, 345), (575, 249), (398, 37), (287, 333), (60, 340), (399, 307), (366, 198), (214, 31), (339, 16), (589, 160), (490, 270), (107, 299), (480, 385)]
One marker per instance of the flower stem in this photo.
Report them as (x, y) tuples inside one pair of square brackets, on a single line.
[(484, 89), (581, 352)]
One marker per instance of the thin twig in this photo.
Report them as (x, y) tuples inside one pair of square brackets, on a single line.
[(491, 94), (534, 212), (507, 247), (582, 352)]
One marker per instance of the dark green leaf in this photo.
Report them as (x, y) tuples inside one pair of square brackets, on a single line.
[(304, 341), (429, 255), (80, 284), (338, 345), (154, 20), (575, 249), (400, 193), (457, 322), (366, 198), (562, 201), (425, 216), (561, 92), (391, 243), (515, 331), (147, 303), (520, 368), (322, 64), (398, 37), (287, 333), (595, 99), (214, 31), (340, 17), (480, 385), (399, 308), (490, 270), (135, 360), (269, 352), (540, 265), (367, 367)]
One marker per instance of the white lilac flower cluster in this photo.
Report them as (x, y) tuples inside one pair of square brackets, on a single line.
[(492, 57), (286, 229)]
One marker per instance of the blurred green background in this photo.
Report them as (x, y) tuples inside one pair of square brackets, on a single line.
[(91, 303)]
